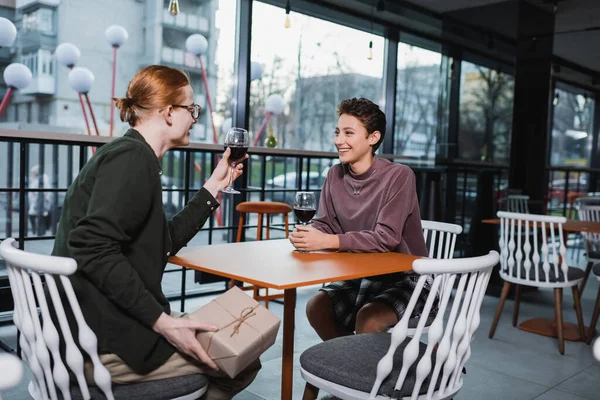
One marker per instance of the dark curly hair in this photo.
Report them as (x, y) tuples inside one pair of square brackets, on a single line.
[(368, 113)]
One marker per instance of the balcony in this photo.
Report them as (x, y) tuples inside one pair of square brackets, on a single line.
[(43, 84), (31, 40), (181, 58), (189, 22)]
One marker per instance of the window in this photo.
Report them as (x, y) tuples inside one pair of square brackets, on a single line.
[(41, 20), (417, 98), (572, 127), (313, 66), (486, 103)]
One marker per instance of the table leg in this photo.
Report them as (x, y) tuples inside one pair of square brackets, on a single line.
[(287, 370)]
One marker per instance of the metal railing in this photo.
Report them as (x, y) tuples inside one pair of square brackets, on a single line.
[(446, 191)]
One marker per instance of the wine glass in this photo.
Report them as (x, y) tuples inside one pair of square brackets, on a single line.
[(305, 206), (237, 140)]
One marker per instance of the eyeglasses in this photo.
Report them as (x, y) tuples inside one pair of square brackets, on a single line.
[(194, 109)]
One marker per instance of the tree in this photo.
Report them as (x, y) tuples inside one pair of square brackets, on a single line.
[(486, 115)]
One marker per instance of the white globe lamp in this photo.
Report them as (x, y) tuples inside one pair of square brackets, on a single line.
[(274, 104), (17, 76), (8, 32), (116, 35), (256, 71), (81, 79), (196, 44), (67, 54)]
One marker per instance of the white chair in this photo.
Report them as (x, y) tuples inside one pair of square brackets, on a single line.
[(40, 339), (383, 366), (440, 238), (12, 372), (588, 209), (515, 203), (529, 257)]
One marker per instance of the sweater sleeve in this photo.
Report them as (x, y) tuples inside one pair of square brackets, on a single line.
[(326, 221), (119, 203), (186, 223), (391, 219)]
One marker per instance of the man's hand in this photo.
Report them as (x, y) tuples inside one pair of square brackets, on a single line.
[(181, 333), (307, 238)]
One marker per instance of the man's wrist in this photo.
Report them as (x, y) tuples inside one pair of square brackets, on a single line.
[(212, 187)]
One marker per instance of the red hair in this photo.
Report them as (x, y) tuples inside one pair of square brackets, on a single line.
[(154, 87)]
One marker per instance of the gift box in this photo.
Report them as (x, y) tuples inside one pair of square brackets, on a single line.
[(246, 330)]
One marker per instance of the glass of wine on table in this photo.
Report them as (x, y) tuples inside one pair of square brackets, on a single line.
[(305, 206), (237, 140)]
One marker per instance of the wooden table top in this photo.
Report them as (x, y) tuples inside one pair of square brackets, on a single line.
[(570, 226), (275, 264)]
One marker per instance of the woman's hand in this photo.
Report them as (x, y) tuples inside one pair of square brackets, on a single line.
[(181, 333), (220, 176), (308, 238)]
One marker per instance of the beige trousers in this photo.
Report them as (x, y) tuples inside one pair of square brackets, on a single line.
[(220, 386)]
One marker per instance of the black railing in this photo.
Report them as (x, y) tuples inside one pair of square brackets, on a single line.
[(446, 191)]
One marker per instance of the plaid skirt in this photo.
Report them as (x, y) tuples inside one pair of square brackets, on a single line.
[(348, 297)]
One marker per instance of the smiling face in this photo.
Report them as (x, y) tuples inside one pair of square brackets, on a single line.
[(352, 140), (181, 119)]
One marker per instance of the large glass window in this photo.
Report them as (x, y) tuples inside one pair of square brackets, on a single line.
[(313, 65), (417, 101), (572, 127), (486, 106)]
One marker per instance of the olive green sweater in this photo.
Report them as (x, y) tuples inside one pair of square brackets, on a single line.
[(114, 226)]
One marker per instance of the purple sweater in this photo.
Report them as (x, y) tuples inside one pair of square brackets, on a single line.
[(383, 217)]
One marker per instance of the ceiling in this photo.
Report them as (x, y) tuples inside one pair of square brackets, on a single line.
[(500, 16)]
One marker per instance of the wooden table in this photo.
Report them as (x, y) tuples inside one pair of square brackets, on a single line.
[(274, 264), (544, 326)]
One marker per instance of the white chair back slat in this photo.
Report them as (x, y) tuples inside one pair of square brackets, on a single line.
[(40, 340), (440, 238), (25, 326), (588, 209), (52, 339), (40, 344), (533, 249), (450, 343), (473, 323), (515, 203), (73, 356)]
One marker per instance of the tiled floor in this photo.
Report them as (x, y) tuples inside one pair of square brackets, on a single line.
[(513, 365)]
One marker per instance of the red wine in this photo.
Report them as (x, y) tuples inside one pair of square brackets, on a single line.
[(304, 215), (237, 153)]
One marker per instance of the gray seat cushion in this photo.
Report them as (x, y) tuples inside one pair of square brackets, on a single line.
[(351, 361), (162, 389), (572, 274), (596, 269)]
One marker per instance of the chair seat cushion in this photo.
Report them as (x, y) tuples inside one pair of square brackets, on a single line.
[(162, 389), (596, 269), (351, 361), (573, 274)]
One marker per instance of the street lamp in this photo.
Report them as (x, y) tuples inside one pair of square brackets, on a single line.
[(68, 55), (16, 76), (81, 80), (198, 45), (116, 36)]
